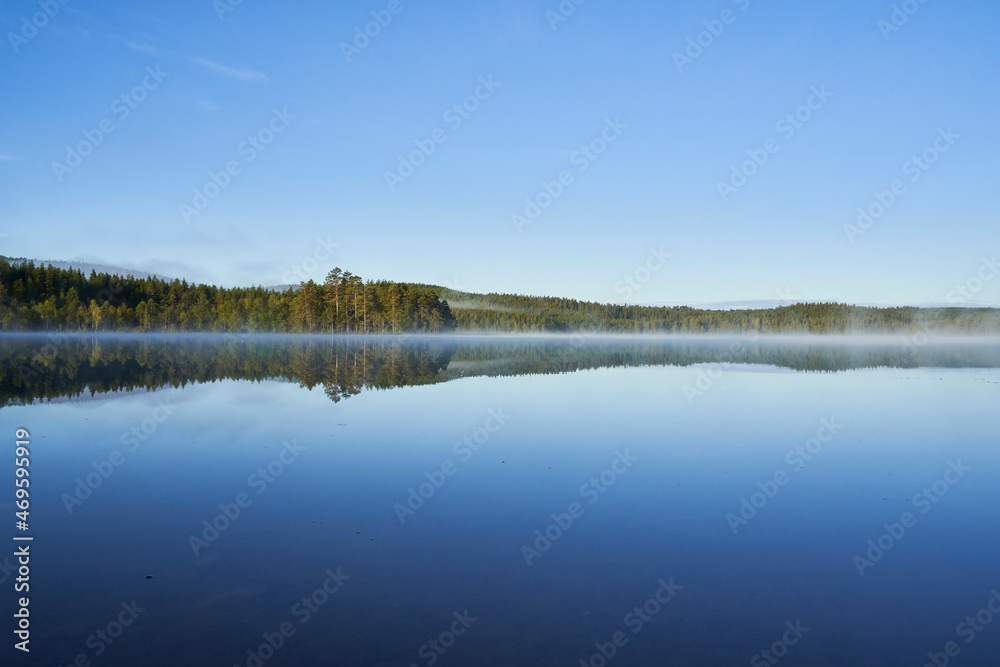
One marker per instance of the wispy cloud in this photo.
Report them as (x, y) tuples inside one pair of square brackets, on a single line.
[(143, 48), (240, 74), (7, 158), (78, 12), (208, 105), (140, 42)]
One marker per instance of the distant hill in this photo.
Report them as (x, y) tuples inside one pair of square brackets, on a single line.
[(520, 313), (87, 267)]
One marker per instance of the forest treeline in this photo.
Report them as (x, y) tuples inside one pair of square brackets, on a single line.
[(517, 313), (46, 298)]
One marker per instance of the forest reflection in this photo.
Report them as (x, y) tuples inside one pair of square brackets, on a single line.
[(43, 368)]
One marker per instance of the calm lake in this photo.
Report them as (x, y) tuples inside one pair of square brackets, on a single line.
[(505, 501)]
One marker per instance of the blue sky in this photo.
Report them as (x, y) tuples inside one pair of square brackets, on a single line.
[(674, 129)]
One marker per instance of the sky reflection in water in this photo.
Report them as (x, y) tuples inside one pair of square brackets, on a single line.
[(901, 418)]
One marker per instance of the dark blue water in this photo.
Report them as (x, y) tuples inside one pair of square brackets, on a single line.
[(493, 506)]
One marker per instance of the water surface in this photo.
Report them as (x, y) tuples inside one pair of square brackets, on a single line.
[(423, 474)]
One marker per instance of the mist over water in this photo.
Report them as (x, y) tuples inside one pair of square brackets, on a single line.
[(56, 366)]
